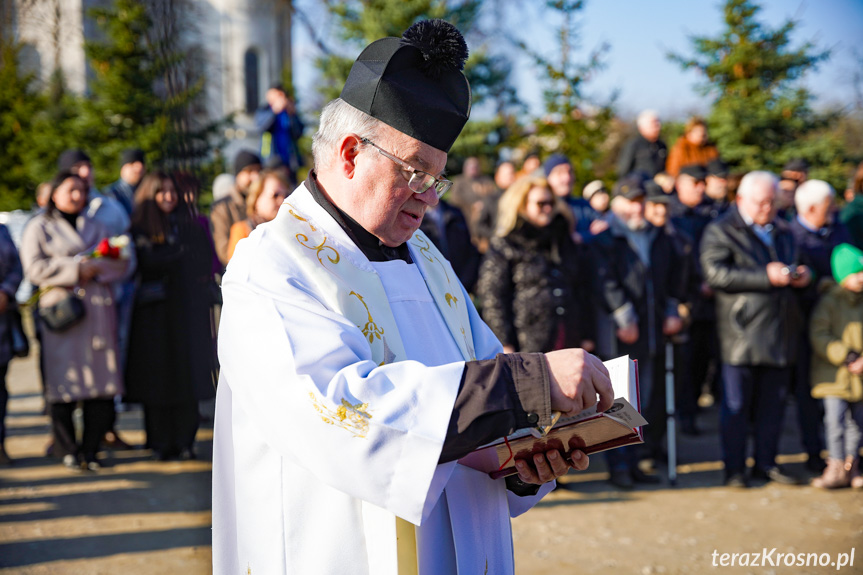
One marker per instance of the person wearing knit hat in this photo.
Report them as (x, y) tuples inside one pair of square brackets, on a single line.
[(597, 194), (846, 260), (836, 333), (122, 194), (232, 209), (132, 169), (561, 179), (355, 370), (716, 186)]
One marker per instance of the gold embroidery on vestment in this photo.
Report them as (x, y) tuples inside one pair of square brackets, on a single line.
[(303, 240), (351, 417), (371, 330)]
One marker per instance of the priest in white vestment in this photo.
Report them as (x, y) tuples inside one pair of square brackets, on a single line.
[(356, 371)]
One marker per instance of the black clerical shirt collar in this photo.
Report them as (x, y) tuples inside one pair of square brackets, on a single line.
[(370, 245)]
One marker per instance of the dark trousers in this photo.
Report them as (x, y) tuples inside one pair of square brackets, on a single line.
[(171, 428), (98, 414), (809, 412), (686, 400), (752, 393), (4, 400), (704, 353)]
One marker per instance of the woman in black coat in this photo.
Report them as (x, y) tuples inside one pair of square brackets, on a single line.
[(172, 360), (533, 289)]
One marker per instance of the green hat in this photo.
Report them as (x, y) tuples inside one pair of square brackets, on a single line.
[(846, 260)]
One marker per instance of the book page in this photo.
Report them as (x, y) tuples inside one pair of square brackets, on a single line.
[(619, 371)]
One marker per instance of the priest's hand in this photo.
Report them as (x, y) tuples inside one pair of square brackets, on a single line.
[(577, 377), (549, 466)]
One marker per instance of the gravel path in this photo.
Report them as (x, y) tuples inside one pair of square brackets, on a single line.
[(141, 517)]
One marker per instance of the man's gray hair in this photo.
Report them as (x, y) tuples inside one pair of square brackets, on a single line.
[(753, 180), (812, 193), (646, 116), (338, 119)]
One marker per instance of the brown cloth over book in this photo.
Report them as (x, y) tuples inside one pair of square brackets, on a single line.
[(589, 431)]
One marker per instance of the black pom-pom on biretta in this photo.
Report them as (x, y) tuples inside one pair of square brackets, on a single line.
[(414, 83), (442, 46)]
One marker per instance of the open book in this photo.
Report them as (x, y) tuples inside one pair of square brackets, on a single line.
[(590, 431)]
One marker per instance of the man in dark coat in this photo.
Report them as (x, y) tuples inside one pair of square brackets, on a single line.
[(690, 213), (816, 234), (750, 261), (637, 286), (644, 152)]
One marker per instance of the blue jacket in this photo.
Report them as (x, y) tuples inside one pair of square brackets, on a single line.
[(279, 135), (11, 275)]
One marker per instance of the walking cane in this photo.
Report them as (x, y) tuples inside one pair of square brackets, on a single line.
[(671, 430)]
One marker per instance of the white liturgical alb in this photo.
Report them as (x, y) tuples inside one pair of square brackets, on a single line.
[(338, 380)]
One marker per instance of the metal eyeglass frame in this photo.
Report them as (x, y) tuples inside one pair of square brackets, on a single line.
[(419, 181)]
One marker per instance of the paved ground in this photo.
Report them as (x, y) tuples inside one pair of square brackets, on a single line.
[(140, 517)]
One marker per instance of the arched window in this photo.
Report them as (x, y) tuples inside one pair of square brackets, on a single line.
[(250, 66)]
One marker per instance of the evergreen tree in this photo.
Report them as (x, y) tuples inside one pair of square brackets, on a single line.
[(144, 91), (19, 104), (571, 126), (761, 117)]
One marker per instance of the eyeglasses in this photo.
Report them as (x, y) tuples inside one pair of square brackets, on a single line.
[(418, 181)]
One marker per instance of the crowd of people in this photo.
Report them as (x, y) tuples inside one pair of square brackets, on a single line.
[(750, 281), (126, 289), (726, 271), (339, 321)]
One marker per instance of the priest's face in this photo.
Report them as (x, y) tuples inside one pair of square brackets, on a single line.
[(386, 207)]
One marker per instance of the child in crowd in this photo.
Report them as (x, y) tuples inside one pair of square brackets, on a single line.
[(836, 333)]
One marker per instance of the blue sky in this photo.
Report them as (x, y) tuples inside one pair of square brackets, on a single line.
[(640, 32)]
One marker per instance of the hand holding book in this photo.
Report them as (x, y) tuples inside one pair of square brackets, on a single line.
[(590, 430), (577, 378)]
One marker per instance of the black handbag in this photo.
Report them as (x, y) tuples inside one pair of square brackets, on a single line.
[(151, 292), (20, 343), (65, 314)]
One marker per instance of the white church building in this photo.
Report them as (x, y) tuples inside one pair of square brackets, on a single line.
[(246, 45)]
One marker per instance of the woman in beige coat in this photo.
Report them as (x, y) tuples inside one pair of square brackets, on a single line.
[(81, 361)]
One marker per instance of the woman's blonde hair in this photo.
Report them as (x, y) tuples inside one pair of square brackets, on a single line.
[(258, 186), (514, 200)]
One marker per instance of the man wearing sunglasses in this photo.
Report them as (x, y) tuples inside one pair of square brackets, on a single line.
[(356, 371)]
